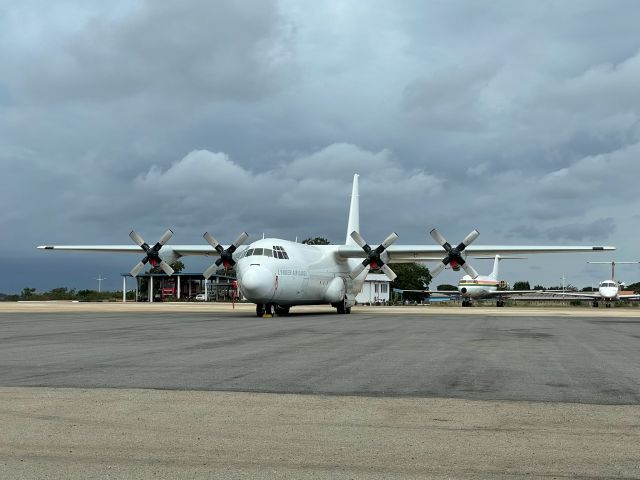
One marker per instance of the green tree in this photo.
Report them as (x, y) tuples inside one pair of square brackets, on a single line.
[(634, 287), (589, 289), (177, 266), (411, 276), (316, 241), (539, 287), (522, 285), (27, 292)]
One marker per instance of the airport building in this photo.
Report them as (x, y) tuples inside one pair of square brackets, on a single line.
[(159, 287), (376, 289)]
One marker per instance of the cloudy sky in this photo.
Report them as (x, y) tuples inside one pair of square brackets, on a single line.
[(520, 119)]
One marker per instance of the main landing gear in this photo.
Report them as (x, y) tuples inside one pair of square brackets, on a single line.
[(341, 308), (467, 303), (594, 304), (499, 303), (269, 309)]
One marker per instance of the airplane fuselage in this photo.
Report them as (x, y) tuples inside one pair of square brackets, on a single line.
[(609, 290), (480, 287), (288, 273)]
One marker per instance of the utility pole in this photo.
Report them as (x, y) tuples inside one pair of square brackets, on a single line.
[(100, 279)]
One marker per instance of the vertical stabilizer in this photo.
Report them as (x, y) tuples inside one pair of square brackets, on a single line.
[(496, 268), (354, 212)]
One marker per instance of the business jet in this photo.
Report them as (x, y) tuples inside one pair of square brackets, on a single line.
[(483, 286), (608, 290), (277, 274)]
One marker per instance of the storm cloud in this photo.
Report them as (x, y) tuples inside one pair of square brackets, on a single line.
[(520, 120)]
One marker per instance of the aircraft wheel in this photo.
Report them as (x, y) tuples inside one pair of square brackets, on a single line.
[(268, 310), (594, 304), (342, 308), (608, 305), (259, 310), (280, 310)]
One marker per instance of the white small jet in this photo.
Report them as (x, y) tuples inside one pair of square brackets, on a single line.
[(608, 290), (277, 274), (483, 286)]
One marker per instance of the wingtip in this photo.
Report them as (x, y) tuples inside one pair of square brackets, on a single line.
[(44, 247)]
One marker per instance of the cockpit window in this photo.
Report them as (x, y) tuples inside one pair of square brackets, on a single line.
[(278, 252), (257, 251), (267, 252), (249, 252)]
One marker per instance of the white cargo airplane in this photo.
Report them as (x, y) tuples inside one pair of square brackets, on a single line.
[(276, 274), (608, 290), (483, 286)]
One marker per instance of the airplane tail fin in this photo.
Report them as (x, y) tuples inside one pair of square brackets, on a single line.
[(354, 212), (496, 268), (496, 264)]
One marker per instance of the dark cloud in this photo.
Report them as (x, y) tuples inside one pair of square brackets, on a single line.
[(519, 119)]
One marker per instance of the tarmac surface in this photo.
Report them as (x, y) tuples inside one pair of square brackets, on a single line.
[(201, 391)]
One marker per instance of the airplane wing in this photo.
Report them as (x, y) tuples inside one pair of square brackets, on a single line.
[(179, 250), (423, 253), (629, 297), (592, 295)]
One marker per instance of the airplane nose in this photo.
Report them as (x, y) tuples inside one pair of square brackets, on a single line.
[(258, 283)]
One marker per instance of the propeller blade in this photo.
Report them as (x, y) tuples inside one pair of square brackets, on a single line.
[(437, 236), (389, 240), (388, 272), (470, 270), (166, 237), (469, 239), (358, 239), (136, 270), (210, 271), (167, 269), (211, 240), (240, 240), (358, 270), (137, 239), (436, 271)]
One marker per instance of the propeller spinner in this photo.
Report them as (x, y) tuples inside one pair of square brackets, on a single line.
[(226, 255), (152, 253), (454, 254), (373, 260)]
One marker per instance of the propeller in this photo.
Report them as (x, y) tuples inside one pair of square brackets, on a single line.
[(373, 260), (454, 254), (226, 256), (152, 253)]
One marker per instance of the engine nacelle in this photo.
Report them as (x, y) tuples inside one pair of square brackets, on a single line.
[(168, 255), (335, 290)]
